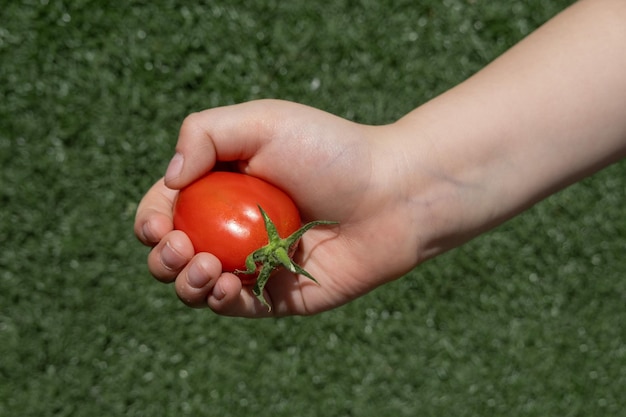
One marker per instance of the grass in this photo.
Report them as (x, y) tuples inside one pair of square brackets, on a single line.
[(527, 320)]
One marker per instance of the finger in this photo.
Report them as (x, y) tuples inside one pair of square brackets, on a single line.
[(153, 219), (231, 133), (195, 151), (230, 298), (283, 294), (167, 259), (197, 280)]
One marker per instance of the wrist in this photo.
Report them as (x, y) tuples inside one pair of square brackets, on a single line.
[(457, 184), (428, 190)]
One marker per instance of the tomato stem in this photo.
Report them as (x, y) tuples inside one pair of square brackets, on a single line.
[(275, 255)]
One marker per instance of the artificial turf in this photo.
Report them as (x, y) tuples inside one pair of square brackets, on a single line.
[(527, 320)]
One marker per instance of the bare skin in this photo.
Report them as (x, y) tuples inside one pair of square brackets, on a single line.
[(547, 113)]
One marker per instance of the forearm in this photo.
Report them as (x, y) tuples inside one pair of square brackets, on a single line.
[(544, 115)]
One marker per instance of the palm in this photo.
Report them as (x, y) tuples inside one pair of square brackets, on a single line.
[(331, 178)]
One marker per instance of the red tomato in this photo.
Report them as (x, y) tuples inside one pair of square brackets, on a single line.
[(220, 214)]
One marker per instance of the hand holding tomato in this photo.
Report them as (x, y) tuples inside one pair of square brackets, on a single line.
[(332, 169)]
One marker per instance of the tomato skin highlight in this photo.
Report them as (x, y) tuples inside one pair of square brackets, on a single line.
[(220, 214)]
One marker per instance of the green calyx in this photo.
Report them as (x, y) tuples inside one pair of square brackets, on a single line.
[(275, 255)]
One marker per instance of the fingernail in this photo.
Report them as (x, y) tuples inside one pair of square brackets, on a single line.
[(218, 291), (146, 230), (175, 167), (196, 276), (171, 258)]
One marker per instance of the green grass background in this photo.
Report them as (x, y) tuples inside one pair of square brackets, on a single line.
[(527, 320)]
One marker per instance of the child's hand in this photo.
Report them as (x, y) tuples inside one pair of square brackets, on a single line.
[(332, 168)]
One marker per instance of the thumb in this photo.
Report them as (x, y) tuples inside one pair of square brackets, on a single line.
[(195, 153), (223, 134)]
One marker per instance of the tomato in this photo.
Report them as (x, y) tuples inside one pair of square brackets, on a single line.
[(220, 214), (251, 226)]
